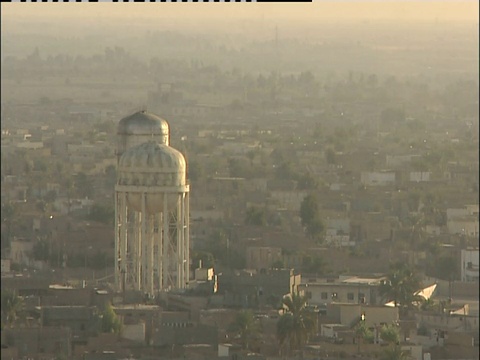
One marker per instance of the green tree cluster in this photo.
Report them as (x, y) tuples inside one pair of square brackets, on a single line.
[(362, 334), (400, 286), (41, 250), (246, 327), (219, 247), (102, 213), (12, 307), (391, 335), (310, 217), (110, 322), (205, 257), (314, 264), (255, 216)]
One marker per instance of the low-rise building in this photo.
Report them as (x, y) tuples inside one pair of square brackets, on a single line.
[(351, 290), (47, 342), (377, 178), (262, 257), (83, 321), (373, 316), (469, 271), (21, 251), (251, 289)]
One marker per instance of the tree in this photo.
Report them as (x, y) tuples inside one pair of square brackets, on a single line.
[(83, 185), (314, 264), (251, 155), (9, 213), (255, 216), (310, 217), (110, 177), (429, 209), (285, 171), (41, 250), (297, 323), (195, 171), (446, 268), (219, 247), (205, 257), (330, 156), (277, 264), (395, 353), (12, 307), (246, 327), (102, 213), (110, 321), (315, 228), (69, 185), (400, 286), (362, 333), (308, 210), (238, 167), (390, 334), (429, 305)]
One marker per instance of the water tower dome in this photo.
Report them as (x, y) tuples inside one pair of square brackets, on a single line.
[(139, 128)]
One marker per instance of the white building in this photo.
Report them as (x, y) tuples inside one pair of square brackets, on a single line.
[(395, 161), (469, 271), (349, 290), (290, 200), (463, 221), (5, 264), (420, 176)]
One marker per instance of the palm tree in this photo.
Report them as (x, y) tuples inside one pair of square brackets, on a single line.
[(400, 286), (246, 327), (296, 324), (12, 307)]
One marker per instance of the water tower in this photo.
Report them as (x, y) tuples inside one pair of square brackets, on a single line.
[(151, 208), (139, 128)]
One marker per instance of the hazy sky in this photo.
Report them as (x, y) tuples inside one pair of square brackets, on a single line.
[(404, 10)]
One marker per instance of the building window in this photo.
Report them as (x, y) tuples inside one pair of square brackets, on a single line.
[(324, 295), (350, 296), (361, 298), (334, 296)]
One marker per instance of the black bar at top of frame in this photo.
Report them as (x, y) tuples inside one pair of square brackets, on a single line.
[(282, 1)]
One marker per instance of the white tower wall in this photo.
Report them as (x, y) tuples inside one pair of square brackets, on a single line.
[(151, 212)]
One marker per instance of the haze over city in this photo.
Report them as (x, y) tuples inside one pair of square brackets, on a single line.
[(233, 181)]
